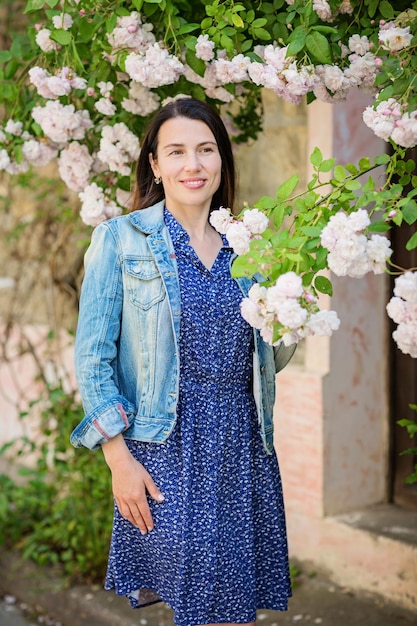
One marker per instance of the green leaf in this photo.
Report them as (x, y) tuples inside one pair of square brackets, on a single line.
[(261, 33), (237, 21), (386, 10), (364, 163), (288, 187), (259, 22), (409, 212), (265, 203), (63, 37), (33, 5), (378, 227), (327, 165), (278, 216), (325, 29), (312, 231), (316, 157), (412, 242), (296, 40), (382, 159), (339, 173), (197, 65), (319, 47), (52, 3), (323, 285), (352, 185), (187, 28), (5, 56)]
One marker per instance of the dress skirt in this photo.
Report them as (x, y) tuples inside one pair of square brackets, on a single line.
[(218, 551)]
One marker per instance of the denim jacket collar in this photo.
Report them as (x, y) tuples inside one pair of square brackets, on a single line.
[(149, 220)]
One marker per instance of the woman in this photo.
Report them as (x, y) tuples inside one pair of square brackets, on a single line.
[(178, 389)]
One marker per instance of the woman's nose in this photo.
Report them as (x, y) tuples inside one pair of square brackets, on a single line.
[(192, 161)]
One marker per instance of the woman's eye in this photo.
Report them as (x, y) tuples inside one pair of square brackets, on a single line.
[(207, 149)]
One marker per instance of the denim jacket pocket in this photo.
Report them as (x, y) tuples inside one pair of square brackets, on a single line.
[(143, 282)]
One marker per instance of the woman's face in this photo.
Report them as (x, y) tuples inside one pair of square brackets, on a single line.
[(189, 163)]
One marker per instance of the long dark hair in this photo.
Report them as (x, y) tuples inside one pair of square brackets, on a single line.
[(147, 192)]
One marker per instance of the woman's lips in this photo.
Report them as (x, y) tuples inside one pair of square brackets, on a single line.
[(193, 183)]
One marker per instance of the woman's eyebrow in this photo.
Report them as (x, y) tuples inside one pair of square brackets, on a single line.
[(181, 145)]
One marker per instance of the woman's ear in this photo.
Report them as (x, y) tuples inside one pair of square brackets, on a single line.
[(154, 165)]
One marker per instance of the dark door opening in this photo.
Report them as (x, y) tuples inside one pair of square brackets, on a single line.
[(403, 387)]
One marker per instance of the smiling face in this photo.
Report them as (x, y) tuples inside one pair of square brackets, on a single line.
[(189, 163)]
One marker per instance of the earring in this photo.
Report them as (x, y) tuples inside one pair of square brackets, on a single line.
[(157, 180)]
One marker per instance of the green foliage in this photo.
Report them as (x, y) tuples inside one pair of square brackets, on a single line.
[(298, 216), (60, 511), (411, 426)]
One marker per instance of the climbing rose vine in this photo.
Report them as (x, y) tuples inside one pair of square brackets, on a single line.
[(80, 85)]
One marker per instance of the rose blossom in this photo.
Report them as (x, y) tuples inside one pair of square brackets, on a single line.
[(238, 237), (38, 153), (220, 219), (406, 286), (323, 323), (74, 166), (96, 207), (154, 68), (251, 313), (359, 44), (14, 128), (105, 106), (393, 38), (62, 122), (291, 314), (255, 221), (406, 338), (4, 159), (323, 10), (44, 41), (204, 48), (63, 21), (141, 100), (397, 310), (130, 33), (289, 285)]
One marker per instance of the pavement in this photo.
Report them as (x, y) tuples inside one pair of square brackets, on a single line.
[(32, 595)]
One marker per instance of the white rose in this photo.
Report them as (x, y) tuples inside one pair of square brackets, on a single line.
[(255, 221), (105, 106), (406, 286), (289, 285), (220, 219), (323, 323), (250, 312), (397, 310), (238, 237), (291, 314), (406, 338)]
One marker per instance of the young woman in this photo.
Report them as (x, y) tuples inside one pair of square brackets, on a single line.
[(178, 389)]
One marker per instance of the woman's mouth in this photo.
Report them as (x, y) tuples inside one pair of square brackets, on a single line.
[(193, 183)]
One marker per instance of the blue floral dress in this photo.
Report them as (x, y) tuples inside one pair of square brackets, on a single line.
[(218, 551)]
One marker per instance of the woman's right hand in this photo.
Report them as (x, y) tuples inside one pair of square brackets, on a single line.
[(131, 484)]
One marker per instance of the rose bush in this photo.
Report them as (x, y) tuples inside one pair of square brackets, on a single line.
[(80, 85)]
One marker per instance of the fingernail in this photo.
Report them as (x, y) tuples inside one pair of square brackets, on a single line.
[(149, 529), (142, 532), (160, 497)]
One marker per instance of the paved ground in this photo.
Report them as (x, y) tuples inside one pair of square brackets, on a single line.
[(315, 601)]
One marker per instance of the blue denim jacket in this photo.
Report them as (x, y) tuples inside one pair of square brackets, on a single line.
[(126, 349)]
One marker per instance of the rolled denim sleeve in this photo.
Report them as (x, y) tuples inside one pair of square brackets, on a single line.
[(108, 413)]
